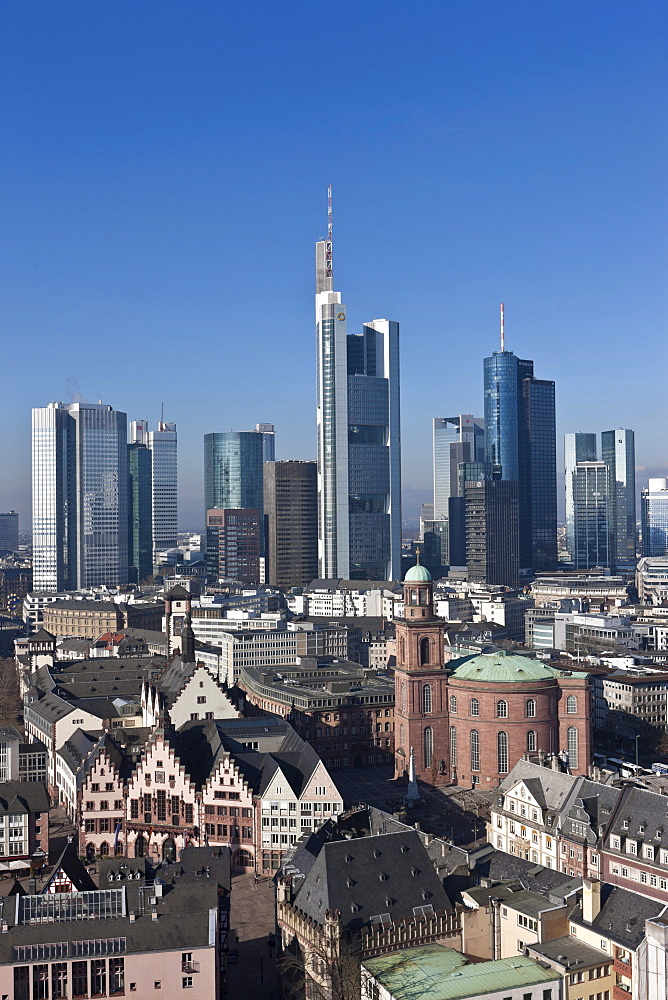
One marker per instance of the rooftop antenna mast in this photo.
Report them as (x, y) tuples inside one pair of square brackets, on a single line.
[(329, 266), (503, 331), (162, 414)]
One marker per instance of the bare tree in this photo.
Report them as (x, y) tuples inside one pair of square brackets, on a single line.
[(11, 706), (320, 973)]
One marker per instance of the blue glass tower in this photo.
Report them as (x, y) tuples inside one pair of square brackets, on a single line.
[(233, 470), (520, 446)]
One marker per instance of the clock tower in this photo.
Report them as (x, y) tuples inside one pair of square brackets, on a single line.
[(421, 683)]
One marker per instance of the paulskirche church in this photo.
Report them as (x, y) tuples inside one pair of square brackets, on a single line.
[(469, 720)]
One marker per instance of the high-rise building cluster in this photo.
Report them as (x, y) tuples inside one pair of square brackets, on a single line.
[(102, 506), (105, 504), (601, 500)]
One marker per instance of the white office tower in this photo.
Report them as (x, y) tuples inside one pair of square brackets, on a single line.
[(331, 417), (359, 448), (164, 480), (578, 447), (455, 440), (80, 496)]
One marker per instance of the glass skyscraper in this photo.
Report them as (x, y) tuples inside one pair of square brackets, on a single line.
[(591, 535), (80, 496), (654, 518), (359, 452), (162, 445), (455, 440), (233, 470), (140, 512), (520, 446), (578, 447), (618, 453)]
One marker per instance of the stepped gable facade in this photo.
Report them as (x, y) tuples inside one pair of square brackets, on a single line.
[(468, 721)]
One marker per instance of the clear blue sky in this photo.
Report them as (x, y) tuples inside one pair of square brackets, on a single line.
[(163, 179)]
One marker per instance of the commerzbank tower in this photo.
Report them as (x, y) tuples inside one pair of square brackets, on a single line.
[(359, 449)]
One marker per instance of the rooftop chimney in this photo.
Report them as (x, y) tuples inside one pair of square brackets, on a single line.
[(591, 899)]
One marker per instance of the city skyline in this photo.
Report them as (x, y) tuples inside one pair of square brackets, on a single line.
[(487, 167)]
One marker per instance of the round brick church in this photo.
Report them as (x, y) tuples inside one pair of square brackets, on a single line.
[(469, 720)]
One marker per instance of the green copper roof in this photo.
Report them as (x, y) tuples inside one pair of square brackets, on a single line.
[(433, 972), (504, 668), (418, 573)]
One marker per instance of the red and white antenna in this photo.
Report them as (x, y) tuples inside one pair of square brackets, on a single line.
[(329, 259), (503, 331), (329, 213)]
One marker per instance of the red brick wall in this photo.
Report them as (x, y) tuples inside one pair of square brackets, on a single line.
[(580, 689), (517, 725)]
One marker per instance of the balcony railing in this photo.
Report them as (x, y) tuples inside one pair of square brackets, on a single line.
[(622, 968), (189, 966), (619, 993)]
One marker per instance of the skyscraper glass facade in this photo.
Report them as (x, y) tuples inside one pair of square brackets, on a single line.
[(357, 412), (618, 453), (374, 481), (591, 535), (233, 473), (455, 440), (538, 484), (654, 517), (578, 447), (140, 511), (163, 446), (520, 444), (80, 496)]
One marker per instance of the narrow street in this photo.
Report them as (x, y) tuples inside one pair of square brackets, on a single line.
[(252, 921)]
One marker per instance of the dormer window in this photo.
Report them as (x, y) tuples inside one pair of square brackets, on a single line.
[(625, 824), (641, 828)]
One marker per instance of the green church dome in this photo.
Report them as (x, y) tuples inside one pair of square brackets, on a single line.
[(418, 573), (503, 668)]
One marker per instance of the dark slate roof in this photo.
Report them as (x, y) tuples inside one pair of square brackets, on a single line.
[(191, 888), (106, 744), (41, 635), (554, 790), (70, 864), (368, 877), (201, 745), (500, 867), (177, 592), (641, 808), (622, 915), (75, 750), (23, 797)]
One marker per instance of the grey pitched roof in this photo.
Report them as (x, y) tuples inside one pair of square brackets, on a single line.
[(554, 790), (640, 807), (622, 915), (201, 745), (371, 876), (23, 797), (501, 867), (41, 635)]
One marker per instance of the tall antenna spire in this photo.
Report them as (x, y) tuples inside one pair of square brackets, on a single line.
[(503, 332), (330, 230)]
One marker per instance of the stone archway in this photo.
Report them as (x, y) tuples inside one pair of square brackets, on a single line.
[(169, 849)]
